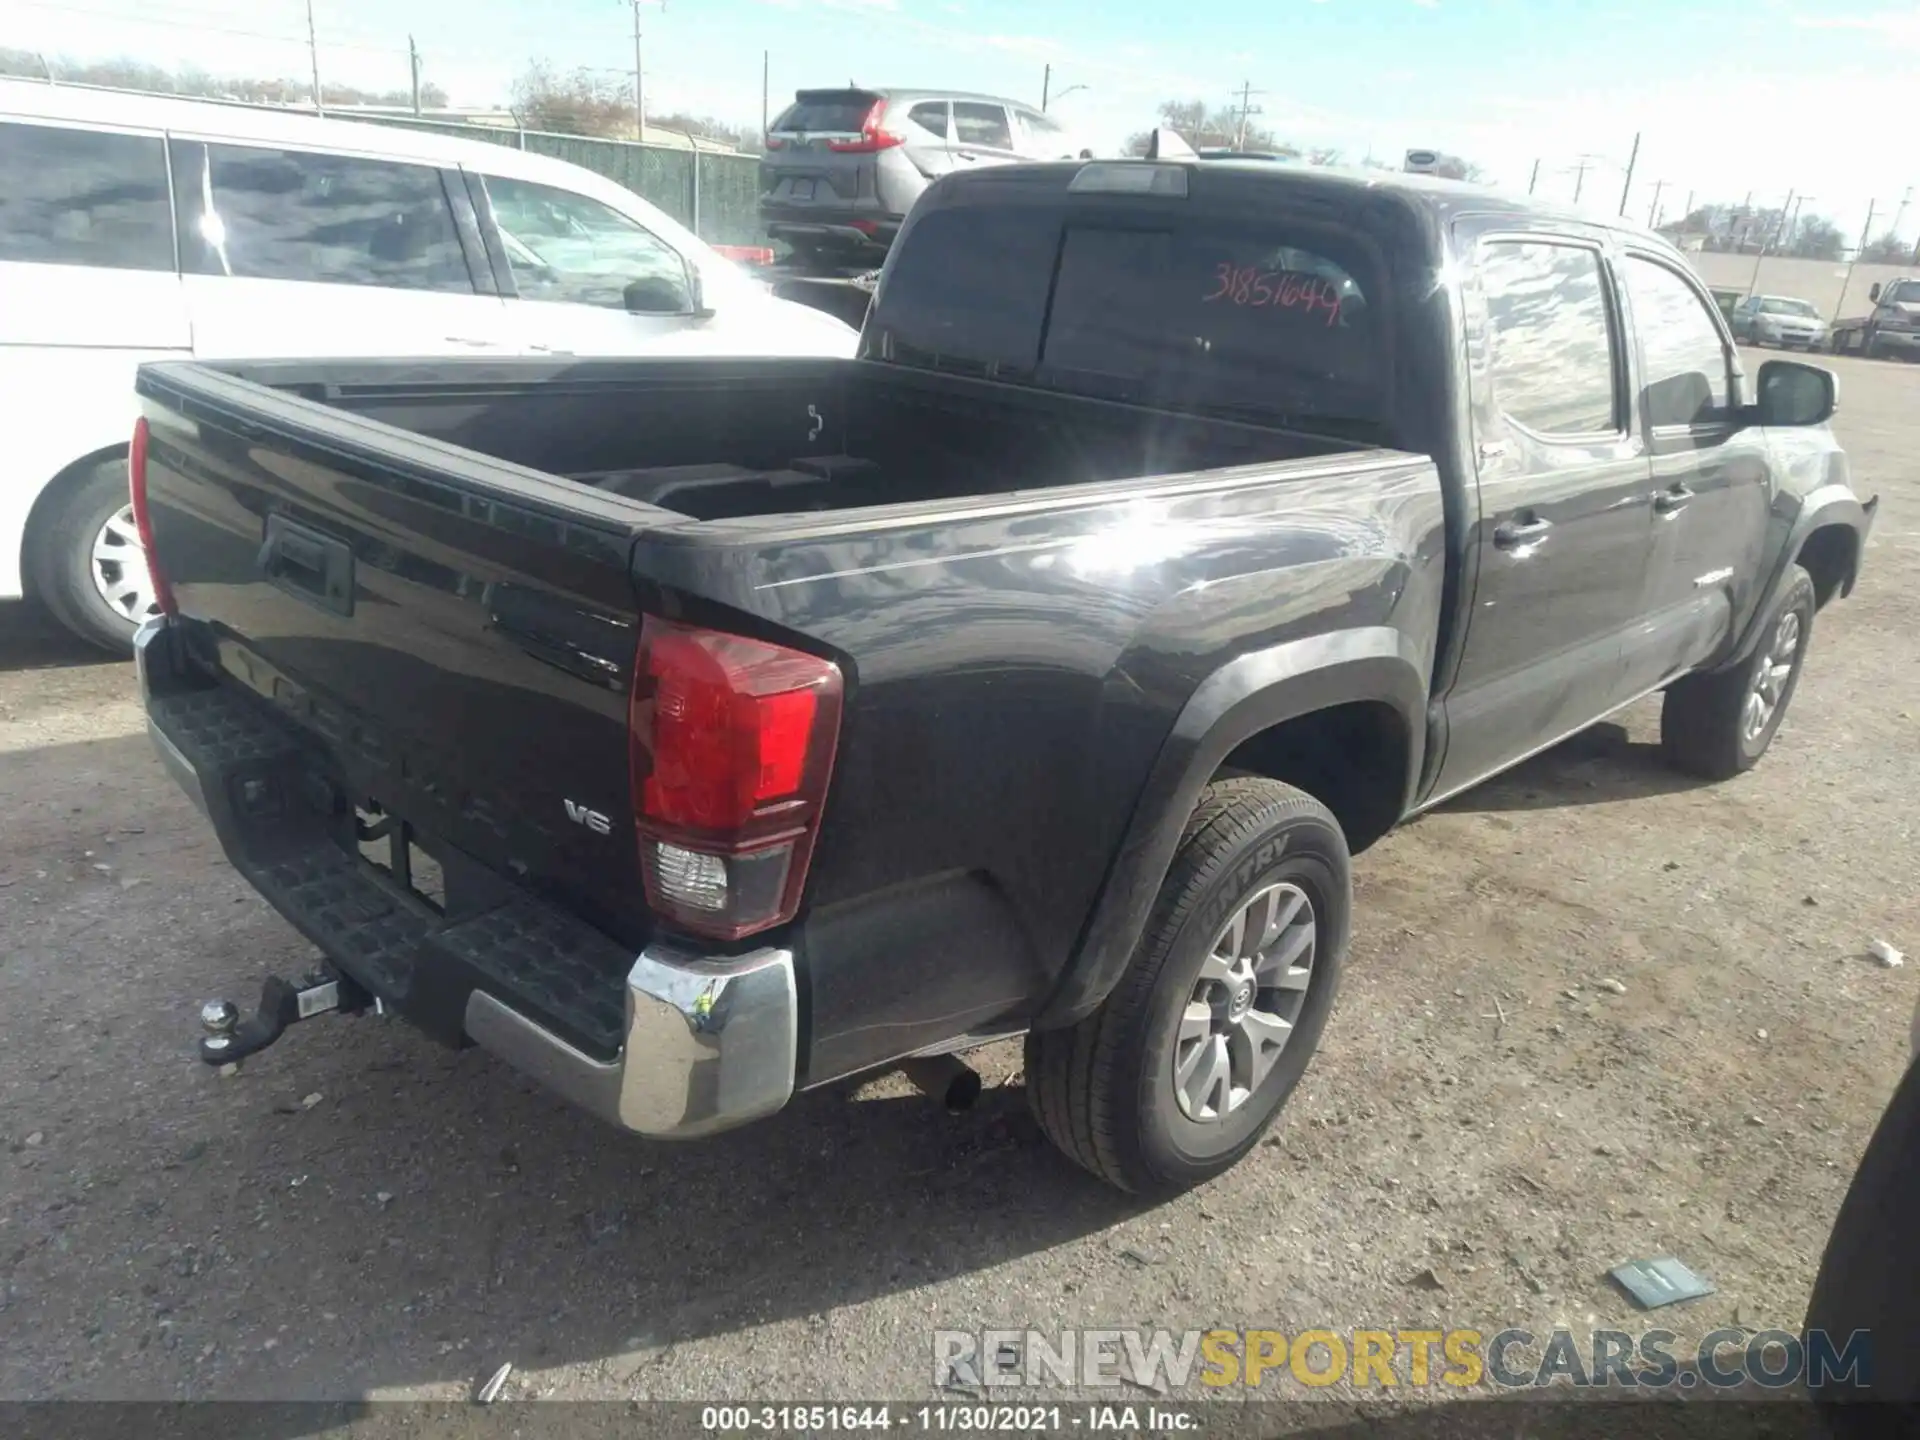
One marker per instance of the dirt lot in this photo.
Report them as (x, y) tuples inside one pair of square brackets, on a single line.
[(362, 1214)]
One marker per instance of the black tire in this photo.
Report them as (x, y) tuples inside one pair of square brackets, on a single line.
[(60, 557), (1103, 1090), (1870, 1275), (1703, 721)]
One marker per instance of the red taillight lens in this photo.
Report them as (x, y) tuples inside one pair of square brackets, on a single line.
[(142, 518), (774, 142), (732, 746), (873, 134)]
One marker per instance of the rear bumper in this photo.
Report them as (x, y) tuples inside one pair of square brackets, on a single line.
[(847, 229), (698, 1043), (1907, 340)]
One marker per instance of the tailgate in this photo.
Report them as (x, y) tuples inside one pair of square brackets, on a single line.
[(803, 164), (452, 635)]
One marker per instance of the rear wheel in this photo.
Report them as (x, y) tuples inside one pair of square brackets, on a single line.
[(86, 561), (1718, 725), (1185, 1065)]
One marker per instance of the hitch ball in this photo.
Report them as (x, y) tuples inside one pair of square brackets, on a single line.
[(218, 1017)]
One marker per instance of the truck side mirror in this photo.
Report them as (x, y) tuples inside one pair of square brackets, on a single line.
[(1794, 394), (1874, 292)]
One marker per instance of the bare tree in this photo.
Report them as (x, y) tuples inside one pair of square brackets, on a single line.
[(1814, 237), (124, 74), (1218, 128), (582, 102), (1889, 249)]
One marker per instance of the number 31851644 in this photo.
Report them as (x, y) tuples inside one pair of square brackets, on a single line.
[(1285, 289)]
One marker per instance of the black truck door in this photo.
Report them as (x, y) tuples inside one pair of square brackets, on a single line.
[(1711, 490), (1562, 480)]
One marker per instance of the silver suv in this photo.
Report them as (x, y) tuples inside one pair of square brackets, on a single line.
[(843, 167)]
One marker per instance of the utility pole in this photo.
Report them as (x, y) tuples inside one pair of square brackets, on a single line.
[(1046, 87), (1689, 210), (1866, 235), (1533, 179), (1247, 109), (1632, 160), (1762, 255), (1653, 210), (639, 84), (766, 70), (413, 63), (1901, 213), (1579, 178), (313, 54)]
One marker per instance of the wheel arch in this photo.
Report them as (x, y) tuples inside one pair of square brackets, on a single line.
[(47, 502), (1369, 682), (1834, 522)]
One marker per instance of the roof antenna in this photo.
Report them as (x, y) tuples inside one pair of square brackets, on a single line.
[(1166, 144)]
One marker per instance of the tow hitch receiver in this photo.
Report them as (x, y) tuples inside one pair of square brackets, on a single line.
[(229, 1039)]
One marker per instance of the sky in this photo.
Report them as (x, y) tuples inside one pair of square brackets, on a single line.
[(1729, 97)]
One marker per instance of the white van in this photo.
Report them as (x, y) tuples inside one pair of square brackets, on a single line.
[(136, 227)]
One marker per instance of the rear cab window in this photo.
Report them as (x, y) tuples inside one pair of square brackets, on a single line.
[(93, 198), (1271, 321)]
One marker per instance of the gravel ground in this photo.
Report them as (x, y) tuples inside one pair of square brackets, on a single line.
[(361, 1214)]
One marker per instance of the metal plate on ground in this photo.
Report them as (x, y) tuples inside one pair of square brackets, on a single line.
[(1653, 1283)]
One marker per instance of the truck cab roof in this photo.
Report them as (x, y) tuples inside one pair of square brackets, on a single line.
[(1240, 180)]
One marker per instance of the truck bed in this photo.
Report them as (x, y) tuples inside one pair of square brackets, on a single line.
[(430, 579), (729, 439)]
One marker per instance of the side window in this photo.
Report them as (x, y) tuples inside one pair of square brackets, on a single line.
[(569, 249), (331, 219), (930, 116), (1551, 341), (84, 197), (982, 125), (1686, 377), (1040, 137)]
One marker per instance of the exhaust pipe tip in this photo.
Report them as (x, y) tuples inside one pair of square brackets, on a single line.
[(945, 1078)]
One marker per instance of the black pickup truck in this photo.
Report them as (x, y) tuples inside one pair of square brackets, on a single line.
[(690, 733)]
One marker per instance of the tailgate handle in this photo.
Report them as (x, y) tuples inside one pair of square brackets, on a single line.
[(307, 565)]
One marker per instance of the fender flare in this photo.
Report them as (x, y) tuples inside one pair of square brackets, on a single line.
[(1829, 505), (1248, 694)]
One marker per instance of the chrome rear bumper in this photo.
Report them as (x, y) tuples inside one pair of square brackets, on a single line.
[(710, 1044), (707, 1043)]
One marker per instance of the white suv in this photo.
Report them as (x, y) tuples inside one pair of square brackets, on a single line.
[(136, 228)]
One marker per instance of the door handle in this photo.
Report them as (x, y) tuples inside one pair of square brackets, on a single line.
[(967, 155), (1514, 534), (1668, 501)]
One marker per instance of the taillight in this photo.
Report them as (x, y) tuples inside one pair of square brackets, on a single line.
[(774, 142), (142, 517), (732, 745), (873, 134)]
